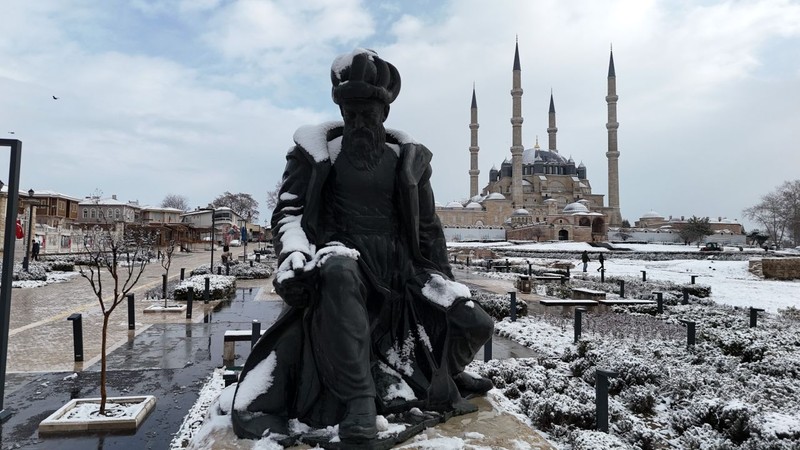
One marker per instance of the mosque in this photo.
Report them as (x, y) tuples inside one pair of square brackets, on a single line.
[(539, 194)]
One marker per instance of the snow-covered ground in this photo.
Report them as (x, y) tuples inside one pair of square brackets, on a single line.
[(737, 388)]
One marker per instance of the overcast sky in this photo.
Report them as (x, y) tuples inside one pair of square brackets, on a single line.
[(198, 97)]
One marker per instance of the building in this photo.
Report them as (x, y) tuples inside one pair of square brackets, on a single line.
[(55, 209), (539, 194), (94, 210), (226, 223)]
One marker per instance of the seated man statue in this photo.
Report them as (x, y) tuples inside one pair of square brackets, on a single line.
[(374, 322)]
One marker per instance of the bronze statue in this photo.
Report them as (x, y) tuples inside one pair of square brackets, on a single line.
[(375, 322)]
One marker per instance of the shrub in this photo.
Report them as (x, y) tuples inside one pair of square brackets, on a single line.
[(220, 287), (499, 306)]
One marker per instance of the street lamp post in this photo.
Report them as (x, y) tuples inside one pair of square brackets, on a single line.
[(27, 259)]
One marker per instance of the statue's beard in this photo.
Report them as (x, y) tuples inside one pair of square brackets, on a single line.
[(363, 147)]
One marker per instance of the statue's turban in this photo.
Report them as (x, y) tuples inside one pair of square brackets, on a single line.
[(361, 74)]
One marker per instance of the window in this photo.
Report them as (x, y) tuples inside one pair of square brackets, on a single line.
[(93, 213), (85, 213), (117, 214)]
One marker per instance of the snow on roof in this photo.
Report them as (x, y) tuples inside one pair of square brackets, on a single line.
[(526, 183), (542, 177), (107, 202), (454, 204), (521, 212), (496, 196), (576, 179), (473, 205), (652, 215), (49, 193)]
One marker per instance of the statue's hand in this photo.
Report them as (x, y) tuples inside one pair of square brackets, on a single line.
[(293, 283)]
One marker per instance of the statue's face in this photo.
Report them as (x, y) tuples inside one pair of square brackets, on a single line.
[(363, 114)]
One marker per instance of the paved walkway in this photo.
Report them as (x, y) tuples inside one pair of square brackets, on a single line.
[(40, 337)]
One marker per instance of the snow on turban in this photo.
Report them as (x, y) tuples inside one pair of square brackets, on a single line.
[(361, 74)]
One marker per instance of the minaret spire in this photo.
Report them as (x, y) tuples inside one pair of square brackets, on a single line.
[(473, 146), (551, 126), (615, 216), (516, 131)]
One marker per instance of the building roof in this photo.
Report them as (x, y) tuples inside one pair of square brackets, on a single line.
[(496, 196), (575, 208), (473, 205), (454, 205)]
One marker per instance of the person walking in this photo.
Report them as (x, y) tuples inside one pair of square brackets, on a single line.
[(35, 250), (585, 259), (601, 259)]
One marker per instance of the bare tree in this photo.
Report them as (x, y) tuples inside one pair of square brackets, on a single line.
[(272, 196), (175, 201), (537, 232), (779, 213), (695, 229), (166, 261), (122, 253), (242, 204)]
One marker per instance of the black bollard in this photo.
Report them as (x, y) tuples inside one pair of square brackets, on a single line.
[(183, 273), (578, 319), (513, 307), (754, 316), (163, 285), (207, 290), (251, 263), (189, 301), (690, 332), (487, 350), (255, 334), (621, 288), (602, 275), (508, 266), (563, 280), (77, 335), (685, 296), (131, 312), (659, 302), (468, 261), (601, 397), (644, 275), (219, 270), (454, 259), (227, 269), (529, 268), (568, 274), (694, 277), (258, 257)]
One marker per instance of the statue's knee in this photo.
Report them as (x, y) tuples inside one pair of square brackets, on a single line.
[(472, 320), (338, 270)]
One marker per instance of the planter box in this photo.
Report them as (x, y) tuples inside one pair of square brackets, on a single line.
[(75, 418), (168, 309)]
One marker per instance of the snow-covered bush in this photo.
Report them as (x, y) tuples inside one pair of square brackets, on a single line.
[(498, 306), (220, 287), (239, 270), (36, 272)]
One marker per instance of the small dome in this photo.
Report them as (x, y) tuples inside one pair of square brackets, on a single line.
[(454, 205), (521, 212), (550, 200), (575, 208), (473, 205), (584, 202), (477, 198), (581, 164), (652, 215), (438, 204), (496, 196)]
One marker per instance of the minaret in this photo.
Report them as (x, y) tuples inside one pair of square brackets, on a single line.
[(516, 132), (473, 147), (551, 126), (615, 217)]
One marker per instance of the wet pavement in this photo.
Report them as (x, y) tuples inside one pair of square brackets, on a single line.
[(167, 355)]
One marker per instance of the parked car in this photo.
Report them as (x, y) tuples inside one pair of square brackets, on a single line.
[(711, 247), (235, 243)]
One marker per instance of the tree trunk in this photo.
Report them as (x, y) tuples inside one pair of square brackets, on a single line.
[(103, 393)]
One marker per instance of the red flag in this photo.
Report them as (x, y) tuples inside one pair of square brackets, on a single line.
[(20, 231)]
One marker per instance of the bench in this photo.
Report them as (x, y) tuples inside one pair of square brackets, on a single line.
[(231, 338), (567, 302), (624, 301), (588, 294)]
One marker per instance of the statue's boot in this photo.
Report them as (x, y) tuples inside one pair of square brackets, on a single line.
[(471, 384), (358, 425)]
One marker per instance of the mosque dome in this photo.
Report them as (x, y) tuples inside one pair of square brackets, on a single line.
[(652, 215), (496, 196), (454, 205), (477, 198), (438, 204), (473, 205), (521, 212), (575, 208)]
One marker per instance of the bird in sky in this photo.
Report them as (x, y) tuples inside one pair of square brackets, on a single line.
[(10, 132), (55, 98)]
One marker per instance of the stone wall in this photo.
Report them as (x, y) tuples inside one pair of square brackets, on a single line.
[(781, 268)]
